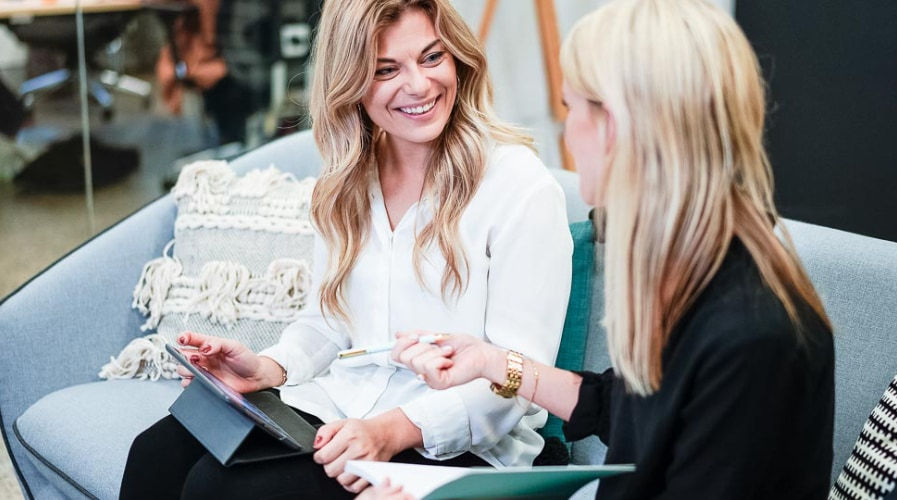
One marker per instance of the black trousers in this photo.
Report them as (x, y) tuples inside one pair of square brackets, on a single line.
[(167, 462)]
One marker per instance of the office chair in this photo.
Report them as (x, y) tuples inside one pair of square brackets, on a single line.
[(58, 33)]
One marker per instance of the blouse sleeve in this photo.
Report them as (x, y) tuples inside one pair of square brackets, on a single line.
[(591, 415), (308, 345), (528, 287)]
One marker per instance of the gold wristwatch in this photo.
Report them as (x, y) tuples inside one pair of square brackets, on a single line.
[(512, 377)]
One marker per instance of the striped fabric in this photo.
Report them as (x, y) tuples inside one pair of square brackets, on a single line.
[(871, 470)]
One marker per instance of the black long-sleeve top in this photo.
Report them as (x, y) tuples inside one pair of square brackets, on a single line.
[(745, 408)]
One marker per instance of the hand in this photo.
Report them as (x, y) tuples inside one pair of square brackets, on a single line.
[(379, 438), (454, 360), (384, 491), (350, 439), (229, 360)]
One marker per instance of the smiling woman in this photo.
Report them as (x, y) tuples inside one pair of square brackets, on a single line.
[(430, 215)]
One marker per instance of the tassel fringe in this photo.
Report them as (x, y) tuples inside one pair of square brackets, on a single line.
[(143, 358)]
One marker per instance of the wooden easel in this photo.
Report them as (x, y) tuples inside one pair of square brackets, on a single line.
[(550, 41)]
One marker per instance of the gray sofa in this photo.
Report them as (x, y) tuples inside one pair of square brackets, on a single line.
[(68, 433)]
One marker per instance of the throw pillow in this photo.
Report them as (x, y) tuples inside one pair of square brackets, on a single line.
[(871, 469), (239, 265)]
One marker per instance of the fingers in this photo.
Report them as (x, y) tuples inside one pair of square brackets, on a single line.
[(186, 376), (350, 482), (358, 486), (192, 339), (337, 465), (426, 360), (209, 345), (404, 340), (413, 351), (326, 432)]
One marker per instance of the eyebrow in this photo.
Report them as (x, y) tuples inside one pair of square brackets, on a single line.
[(428, 47)]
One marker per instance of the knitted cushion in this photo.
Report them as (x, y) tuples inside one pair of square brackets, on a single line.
[(240, 266), (576, 325), (871, 469)]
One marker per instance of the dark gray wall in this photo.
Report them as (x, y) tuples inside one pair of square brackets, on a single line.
[(831, 67)]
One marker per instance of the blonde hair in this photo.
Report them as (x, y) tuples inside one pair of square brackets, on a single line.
[(344, 63), (687, 171)]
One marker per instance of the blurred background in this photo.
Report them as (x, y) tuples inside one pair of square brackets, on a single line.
[(170, 82)]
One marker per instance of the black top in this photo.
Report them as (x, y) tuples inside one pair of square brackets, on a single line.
[(745, 409)]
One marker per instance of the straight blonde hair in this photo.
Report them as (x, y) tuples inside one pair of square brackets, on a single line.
[(344, 58), (687, 172)]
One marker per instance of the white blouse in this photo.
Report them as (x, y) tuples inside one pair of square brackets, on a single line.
[(519, 253)]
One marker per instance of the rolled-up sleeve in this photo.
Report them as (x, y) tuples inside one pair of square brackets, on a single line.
[(591, 415), (528, 287), (309, 345)]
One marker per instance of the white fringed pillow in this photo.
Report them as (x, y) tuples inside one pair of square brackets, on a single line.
[(239, 265)]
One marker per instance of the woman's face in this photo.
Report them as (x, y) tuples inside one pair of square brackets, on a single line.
[(588, 134), (415, 83)]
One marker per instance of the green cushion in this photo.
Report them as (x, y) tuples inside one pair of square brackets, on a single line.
[(571, 354)]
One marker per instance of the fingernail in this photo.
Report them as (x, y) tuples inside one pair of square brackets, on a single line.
[(194, 359), (182, 340), (446, 348), (206, 349), (413, 337), (317, 441)]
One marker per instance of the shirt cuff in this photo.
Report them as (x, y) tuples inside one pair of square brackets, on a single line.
[(297, 364), (443, 422)]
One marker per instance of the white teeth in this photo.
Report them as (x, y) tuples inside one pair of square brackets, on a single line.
[(419, 110)]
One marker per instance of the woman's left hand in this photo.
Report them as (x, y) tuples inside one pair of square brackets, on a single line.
[(379, 439), (454, 360)]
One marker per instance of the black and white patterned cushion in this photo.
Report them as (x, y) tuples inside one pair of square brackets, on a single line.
[(871, 469)]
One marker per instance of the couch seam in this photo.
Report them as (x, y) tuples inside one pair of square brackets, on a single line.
[(47, 463)]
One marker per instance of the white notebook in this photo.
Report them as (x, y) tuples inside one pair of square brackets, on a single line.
[(431, 482)]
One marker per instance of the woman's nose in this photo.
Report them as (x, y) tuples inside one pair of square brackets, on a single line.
[(416, 82)]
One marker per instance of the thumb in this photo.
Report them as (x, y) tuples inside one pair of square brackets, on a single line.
[(326, 432)]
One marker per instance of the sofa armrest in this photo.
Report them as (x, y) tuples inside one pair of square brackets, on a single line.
[(63, 325)]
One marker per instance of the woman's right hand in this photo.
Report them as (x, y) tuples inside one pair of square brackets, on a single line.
[(384, 491), (232, 362), (454, 359)]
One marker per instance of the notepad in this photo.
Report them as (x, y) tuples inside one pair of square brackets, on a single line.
[(430, 482)]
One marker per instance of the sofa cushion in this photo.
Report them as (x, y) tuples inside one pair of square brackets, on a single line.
[(856, 277), (79, 437), (240, 269)]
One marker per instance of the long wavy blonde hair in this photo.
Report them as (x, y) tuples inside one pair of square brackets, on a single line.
[(687, 171), (344, 63)]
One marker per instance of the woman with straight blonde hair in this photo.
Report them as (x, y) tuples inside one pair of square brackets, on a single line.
[(722, 378), (430, 214)]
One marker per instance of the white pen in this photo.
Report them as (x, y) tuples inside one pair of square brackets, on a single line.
[(351, 353)]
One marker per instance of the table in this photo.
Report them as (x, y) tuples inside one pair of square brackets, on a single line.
[(12, 9)]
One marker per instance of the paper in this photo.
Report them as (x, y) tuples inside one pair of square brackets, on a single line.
[(429, 482), (418, 480)]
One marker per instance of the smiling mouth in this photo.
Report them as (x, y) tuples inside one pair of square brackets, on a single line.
[(419, 110)]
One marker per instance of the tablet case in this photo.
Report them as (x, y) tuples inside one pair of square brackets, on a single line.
[(234, 438)]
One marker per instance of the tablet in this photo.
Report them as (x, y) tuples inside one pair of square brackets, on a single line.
[(235, 399)]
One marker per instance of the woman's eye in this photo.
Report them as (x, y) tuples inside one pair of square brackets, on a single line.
[(382, 72), (434, 57)]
